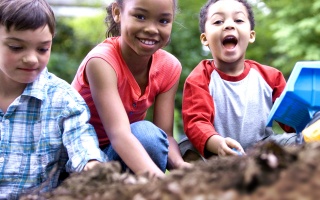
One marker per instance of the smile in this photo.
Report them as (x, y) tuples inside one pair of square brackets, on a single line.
[(148, 42)]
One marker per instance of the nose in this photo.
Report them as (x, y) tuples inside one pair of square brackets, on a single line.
[(151, 28), (30, 59), (228, 25)]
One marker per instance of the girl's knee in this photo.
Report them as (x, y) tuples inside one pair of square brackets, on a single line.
[(148, 132), (154, 140)]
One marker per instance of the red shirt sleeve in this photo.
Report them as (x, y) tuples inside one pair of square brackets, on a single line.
[(197, 107)]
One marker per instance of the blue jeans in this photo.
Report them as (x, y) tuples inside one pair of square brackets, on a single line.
[(152, 138)]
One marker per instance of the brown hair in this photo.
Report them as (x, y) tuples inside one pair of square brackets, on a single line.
[(26, 14)]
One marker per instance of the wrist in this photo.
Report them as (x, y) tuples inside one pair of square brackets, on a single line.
[(213, 143)]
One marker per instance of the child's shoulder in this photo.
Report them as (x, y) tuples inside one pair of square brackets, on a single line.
[(270, 74), (202, 71), (165, 56), (255, 64), (56, 88)]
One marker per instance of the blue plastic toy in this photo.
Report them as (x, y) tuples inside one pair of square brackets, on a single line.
[(237, 151), (300, 98)]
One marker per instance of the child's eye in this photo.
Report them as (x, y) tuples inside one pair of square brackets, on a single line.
[(164, 21), (238, 20), (141, 17), (218, 22), (43, 50), (15, 48)]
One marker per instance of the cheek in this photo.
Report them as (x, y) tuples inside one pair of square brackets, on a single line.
[(166, 32), (44, 59), (213, 41), (9, 58), (130, 26)]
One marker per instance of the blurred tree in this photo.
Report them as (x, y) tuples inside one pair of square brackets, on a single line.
[(62, 62), (296, 29), (186, 46), (286, 31), (75, 37), (260, 50)]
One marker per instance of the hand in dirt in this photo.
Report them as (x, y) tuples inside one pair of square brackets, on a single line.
[(151, 175), (185, 165), (230, 147), (224, 146), (91, 164)]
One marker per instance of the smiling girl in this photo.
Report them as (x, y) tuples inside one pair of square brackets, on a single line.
[(127, 73)]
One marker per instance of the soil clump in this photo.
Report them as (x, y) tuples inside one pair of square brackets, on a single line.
[(267, 172)]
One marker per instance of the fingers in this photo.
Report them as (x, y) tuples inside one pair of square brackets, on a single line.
[(231, 147), (186, 165), (91, 164), (224, 149)]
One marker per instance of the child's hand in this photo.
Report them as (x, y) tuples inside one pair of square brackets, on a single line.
[(184, 165), (91, 164), (230, 147)]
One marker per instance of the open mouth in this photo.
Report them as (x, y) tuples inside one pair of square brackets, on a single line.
[(229, 42)]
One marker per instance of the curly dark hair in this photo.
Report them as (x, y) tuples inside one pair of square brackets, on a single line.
[(113, 27), (204, 13)]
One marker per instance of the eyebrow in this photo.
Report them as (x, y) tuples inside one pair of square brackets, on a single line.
[(221, 13), (144, 10), (20, 40)]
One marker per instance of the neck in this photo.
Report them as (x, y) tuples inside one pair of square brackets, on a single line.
[(136, 63), (231, 69), (138, 66), (8, 93), (9, 88)]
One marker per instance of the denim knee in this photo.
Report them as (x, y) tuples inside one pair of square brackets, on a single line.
[(154, 140)]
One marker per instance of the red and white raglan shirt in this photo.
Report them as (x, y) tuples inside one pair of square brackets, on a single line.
[(231, 106)]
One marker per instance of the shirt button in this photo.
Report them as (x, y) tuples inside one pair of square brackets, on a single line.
[(1, 159), (7, 121), (134, 105)]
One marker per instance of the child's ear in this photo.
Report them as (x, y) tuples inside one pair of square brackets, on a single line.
[(203, 39), (116, 12), (252, 36)]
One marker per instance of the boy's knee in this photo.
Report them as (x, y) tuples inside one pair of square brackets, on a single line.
[(188, 151), (284, 138)]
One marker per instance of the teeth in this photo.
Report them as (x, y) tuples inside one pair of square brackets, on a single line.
[(148, 42)]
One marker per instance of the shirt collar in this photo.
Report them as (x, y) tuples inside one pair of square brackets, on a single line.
[(37, 88)]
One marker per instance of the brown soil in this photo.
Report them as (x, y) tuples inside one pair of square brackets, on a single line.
[(268, 172)]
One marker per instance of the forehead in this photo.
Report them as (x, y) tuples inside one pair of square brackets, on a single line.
[(36, 36), (227, 6), (152, 6)]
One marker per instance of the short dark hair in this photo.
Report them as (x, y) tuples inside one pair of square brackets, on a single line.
[(26, 14), (204, 14)]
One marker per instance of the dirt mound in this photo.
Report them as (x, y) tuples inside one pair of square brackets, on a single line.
[(268, 172)]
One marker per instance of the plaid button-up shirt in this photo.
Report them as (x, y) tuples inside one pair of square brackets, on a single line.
[(44, 131)]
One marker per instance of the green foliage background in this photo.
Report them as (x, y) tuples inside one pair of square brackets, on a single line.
[(287, 31)]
